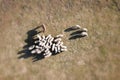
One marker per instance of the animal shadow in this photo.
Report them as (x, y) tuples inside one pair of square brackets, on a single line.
[(25, 53), (75, 36), (70, 29), (76, 32)]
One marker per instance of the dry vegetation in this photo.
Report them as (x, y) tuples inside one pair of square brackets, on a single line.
[(94, 58)]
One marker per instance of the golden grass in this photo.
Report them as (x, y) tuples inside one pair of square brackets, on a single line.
[(92, 58)]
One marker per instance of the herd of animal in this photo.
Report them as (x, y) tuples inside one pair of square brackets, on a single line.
[(49, 45)]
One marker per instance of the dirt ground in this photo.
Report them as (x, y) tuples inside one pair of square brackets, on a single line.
[(96, 57)]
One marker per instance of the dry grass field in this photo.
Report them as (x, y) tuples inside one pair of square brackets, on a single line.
[(96, 57)]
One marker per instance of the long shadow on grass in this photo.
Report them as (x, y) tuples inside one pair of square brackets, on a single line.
[(70, 29), (75, 34), (25, 53)]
